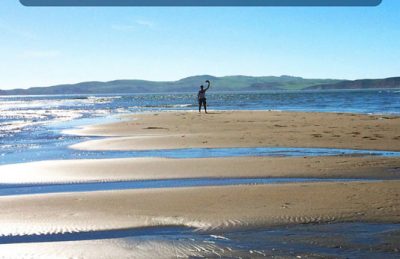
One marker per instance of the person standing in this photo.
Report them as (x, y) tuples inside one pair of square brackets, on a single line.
[(201, 96)]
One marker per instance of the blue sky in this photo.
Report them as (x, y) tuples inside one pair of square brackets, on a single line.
[(42, 46)]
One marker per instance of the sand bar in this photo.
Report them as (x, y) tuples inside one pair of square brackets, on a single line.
[(204, 208), (73, 171), (169, 130)]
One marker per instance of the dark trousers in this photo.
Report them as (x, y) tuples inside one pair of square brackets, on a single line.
[(203, 101)]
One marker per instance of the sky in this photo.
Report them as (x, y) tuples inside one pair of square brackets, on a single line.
[(41, 46)]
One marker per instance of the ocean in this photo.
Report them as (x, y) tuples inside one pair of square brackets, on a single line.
[(31, 126)]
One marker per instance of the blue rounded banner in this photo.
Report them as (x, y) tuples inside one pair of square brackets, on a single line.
[(200, 2)]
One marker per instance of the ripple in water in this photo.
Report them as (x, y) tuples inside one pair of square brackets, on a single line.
[(365, 240)]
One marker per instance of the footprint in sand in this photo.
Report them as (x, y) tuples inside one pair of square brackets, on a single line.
[(154, 128), (369, 137)]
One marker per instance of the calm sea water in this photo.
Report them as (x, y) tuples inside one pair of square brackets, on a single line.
[(31, 124)]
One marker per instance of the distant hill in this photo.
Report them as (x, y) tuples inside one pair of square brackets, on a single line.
[(190, 84), (393, 82)]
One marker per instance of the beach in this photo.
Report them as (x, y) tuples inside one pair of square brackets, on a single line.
[(371, 197)]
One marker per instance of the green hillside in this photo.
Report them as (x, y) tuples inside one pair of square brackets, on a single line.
[(391, 82), (189, 84)]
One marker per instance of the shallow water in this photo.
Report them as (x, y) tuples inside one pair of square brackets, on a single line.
[(343, 240), (63, 152), (21, 189)]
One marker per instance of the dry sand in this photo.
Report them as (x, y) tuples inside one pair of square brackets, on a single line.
[(73, 171), (205, 208), (245, 129)]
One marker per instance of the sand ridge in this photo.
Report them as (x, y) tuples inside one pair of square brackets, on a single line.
[(168, 130), (105, 170), (206, 208)]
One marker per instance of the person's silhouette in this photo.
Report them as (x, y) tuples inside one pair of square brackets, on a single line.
[(201, 96)]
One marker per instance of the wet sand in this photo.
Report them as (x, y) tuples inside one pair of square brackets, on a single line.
[(106, 170), (245, 129), (206, 208), (365, 240)]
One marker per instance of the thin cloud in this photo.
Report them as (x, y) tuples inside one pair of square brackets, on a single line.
[(145, 23), (133, 26), (124, 28)]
